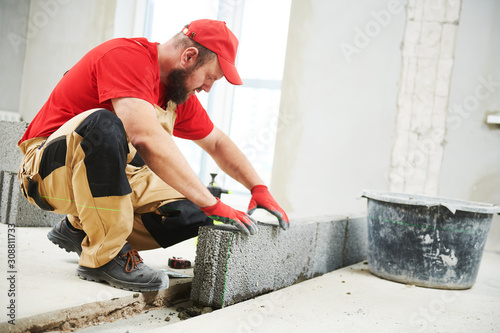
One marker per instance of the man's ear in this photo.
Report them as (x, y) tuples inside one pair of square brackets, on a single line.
[(189, 56)]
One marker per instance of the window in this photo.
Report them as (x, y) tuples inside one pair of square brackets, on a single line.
[(248, 113)]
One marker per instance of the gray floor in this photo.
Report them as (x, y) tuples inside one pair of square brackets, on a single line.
[(347, 300)]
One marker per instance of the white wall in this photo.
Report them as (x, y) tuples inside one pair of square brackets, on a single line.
[(13, 19), (428, 51), (337, 124), (471, 162), (338, 104), (61, 32), (339, 91), (40, 40)]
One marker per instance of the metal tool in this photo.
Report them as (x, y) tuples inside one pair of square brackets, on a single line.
[(214, 189)]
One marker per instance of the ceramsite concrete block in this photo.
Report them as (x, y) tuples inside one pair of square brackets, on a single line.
[(5, 188), (16, 209), (329, 246), (356, 244), (10, 133), (212, 251), (231, 268)]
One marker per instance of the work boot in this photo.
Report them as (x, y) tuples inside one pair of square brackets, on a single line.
[(67, 237), (126, 271)]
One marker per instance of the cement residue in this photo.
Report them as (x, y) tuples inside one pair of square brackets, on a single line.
[(151, 318), (98, 318), (140, 314), (449, 260), (193, 311), (426, 239), (92, 316)]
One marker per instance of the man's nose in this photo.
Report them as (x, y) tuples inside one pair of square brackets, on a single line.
[(207, 86)]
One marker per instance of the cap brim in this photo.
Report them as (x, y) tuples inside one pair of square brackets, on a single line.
[(230, 72)]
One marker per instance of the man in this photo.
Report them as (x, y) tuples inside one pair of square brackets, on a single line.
[(100, 150)]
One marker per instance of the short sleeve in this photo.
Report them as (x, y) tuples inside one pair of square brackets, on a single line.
[(126, 72), (192, 120)]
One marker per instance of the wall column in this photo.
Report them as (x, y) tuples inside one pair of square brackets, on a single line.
[(424, 89)]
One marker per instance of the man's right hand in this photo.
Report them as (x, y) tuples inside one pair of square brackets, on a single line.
[(223, 213)]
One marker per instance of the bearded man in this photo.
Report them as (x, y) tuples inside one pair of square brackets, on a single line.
[(101, 151)]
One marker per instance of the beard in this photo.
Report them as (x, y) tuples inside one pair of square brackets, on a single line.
[(177, 90)]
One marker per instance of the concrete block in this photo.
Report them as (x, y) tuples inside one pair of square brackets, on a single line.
[(10, 133), (15, 209), (213, 245), (231, 268), (409, 70), (404, 115), (329, 249), (444, 72), (5, 187), (355, 246), (439, 116), (294, 255), (430, 40), (415, 10), (411, 38), (434, 10), (448, 40), (453, 8), (426, 79)]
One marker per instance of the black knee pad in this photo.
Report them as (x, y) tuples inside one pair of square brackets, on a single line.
[(179, 220), (105, 145)]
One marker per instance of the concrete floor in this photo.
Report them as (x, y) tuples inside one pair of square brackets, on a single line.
[(46, 280), (347, 300)]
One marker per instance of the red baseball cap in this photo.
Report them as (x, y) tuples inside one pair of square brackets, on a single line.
[(216, 36)]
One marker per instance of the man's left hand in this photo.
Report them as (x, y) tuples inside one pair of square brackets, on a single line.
[(262, 198)]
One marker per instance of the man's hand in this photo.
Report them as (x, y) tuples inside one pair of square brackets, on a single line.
[(223, 213), (262, 198)]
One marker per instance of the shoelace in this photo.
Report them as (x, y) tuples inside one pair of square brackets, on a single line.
[(133, 259)]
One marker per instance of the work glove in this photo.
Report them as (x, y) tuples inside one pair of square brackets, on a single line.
[(223, 213), (262, 198)]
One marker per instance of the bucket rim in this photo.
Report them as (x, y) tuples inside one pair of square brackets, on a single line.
[(430, 201)]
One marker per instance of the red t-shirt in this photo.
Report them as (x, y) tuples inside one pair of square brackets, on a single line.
[(117, 68)]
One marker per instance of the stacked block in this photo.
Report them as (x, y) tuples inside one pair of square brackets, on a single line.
[(10, 133), (14, 208), (231, 268), (428, 55)]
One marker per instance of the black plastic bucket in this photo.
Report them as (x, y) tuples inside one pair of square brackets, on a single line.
[(426, 241)]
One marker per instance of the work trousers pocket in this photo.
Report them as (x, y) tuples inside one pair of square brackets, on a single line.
[(29, 176), (35, 195), (53, 156)]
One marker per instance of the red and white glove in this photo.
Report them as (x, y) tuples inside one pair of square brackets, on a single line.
[(262, 198), (223, 213)]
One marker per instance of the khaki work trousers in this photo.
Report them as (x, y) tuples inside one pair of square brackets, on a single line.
[(97, 198)]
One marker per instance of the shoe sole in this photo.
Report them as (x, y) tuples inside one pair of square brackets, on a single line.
[(103, 277), (63, 242)]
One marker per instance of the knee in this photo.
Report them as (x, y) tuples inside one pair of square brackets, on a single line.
[(105, 147), (102, 129)]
